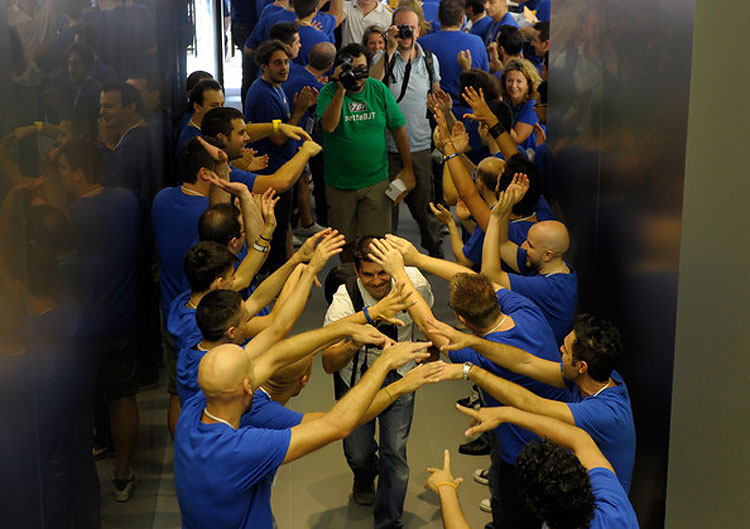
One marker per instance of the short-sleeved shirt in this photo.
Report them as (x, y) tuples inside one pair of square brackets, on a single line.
[(187, 133), (356, 154), (309, 36), (105, 232), (556, 295), (517, 231), (525, 113), (223, 476), (273, 14), (175, 216), (300, 77), (267, 413), (342, 306), (264, 103), (530, 333), (188, 359), (181, 322), (494, 29), (481, 27), (608, 419), (446, 45), (414, 103), (354, 25), (238, 175), (612, 507)]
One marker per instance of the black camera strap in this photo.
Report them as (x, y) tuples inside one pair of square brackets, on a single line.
[(429, 63), (405, 82)]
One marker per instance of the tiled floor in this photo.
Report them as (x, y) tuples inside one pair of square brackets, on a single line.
[(313, 492)]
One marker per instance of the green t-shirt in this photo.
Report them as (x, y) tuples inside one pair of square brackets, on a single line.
[(356, 154)]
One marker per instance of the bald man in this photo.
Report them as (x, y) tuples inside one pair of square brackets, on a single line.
[(224, 464), (542, 274)]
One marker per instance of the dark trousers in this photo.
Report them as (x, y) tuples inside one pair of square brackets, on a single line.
[(510, 510)]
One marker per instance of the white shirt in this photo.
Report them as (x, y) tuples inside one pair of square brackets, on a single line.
[(342, 306), (355, 23)]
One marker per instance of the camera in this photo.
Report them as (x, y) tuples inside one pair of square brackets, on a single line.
[(349, 74), (405, 31)]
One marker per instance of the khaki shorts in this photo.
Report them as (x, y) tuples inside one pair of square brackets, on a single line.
[(359, 212)]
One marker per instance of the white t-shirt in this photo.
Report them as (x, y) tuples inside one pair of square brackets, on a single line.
[(342, 306), (355, 23)]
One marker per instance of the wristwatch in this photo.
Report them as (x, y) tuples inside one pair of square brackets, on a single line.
[(467, 368)]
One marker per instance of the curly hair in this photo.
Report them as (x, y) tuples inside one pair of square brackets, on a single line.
[(529, 71), (555, 485), (598, 343)]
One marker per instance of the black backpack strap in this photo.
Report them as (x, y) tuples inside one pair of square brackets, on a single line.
[(356, 296), (429, 62)]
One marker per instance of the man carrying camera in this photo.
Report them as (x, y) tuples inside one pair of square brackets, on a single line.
[(355, 111), (412, 73), (368, 296)]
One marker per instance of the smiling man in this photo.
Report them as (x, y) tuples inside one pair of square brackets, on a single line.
[(348, 361)]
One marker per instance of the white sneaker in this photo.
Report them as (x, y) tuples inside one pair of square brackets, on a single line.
[(307, 231), (124, 488), (482, 475), (485, 505)]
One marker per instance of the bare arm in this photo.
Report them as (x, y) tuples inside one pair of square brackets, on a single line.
[(258, 131), (332, 115), (407, 172), (555, 430), (442, 483), (440, 267), (457, 244), (507, 356), (336, 8), (288, 174), (348, 411)]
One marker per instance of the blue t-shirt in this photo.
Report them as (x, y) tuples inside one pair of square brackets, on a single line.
[(223, 476), (188, 360), (494, 29), (309, 37), (244, 12), (446, 45), (264, 103), (556, 295), (187, 133), (517, 231), (612, 507), (273, 14), (175, 216), (267, 413), (430, 10), (181, 322), (608, 419), (531, 333), (106, 234), (525, 113), (300, 77), (238, 175), (481, 27), (543, 10)]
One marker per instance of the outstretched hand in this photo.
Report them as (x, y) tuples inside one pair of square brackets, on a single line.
[(327, 248), (483, 419), (386, 255), (456, 339), (442, 213), (399, 354), (305, 251), (396, 301), (293, 132), (441, 476), (267, 205), (235, 188), (408, 251), (427, 373), (368, 335), (481, 110)]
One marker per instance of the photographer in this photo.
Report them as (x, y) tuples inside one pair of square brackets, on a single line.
[(355, 111), (412, 73)]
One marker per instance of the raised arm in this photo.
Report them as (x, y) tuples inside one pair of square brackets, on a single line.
[(442, 483), (507, 356), (465, 186), (445, 216), (332, 113), (286, 176), (510, 393), (564, 434), (258, 131), (387, 256), (481, 112), (412, 257), (347, 412)]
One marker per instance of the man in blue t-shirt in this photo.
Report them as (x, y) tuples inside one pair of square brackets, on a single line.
[(497, 10), (589, 496), (480, 22), (501, 316), (267, 102), (541, 273), (450, 40), (596, 399), (309, 35), (223, 465), (205, 95)]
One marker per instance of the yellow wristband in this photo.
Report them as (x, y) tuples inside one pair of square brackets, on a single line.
[(276, 123), (446, 483), (38, 125), (389, 395)]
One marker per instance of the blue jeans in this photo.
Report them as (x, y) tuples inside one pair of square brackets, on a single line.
[(361, 450)]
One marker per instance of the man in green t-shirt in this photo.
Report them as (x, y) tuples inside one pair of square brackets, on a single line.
[(354, 119)]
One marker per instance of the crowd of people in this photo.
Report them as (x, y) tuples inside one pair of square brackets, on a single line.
[(136, 235)]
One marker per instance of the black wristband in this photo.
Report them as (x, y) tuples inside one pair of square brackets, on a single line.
[(261, 236), (496, 130)]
